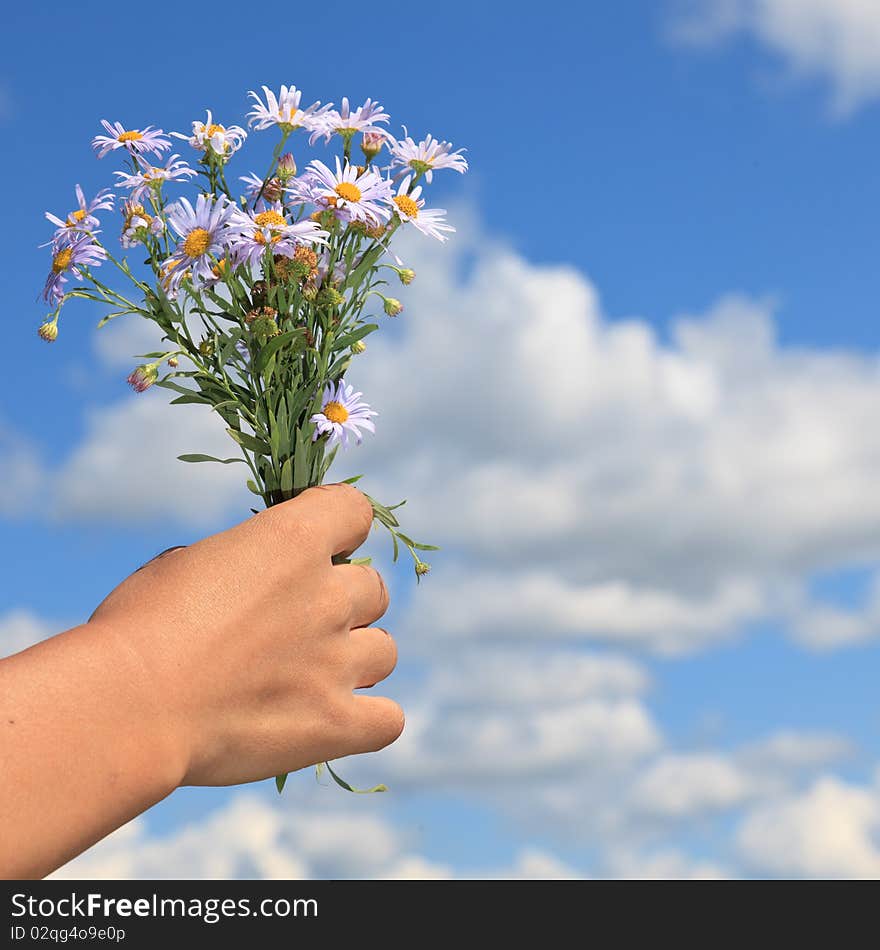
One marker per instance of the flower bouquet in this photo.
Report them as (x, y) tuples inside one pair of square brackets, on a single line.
[(263, 298)]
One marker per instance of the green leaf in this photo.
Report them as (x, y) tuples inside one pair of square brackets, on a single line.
[(208, 458), (358, 334), (352, 480), (252, 486), (350, 788), (249, 442), (287, 476), (295, 338), (279, 782), (190, 398), (361, 560)]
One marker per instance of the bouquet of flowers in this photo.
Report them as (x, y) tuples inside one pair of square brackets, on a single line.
[(263, 298)]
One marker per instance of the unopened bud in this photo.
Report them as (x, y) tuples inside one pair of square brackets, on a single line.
[(358, 347), (371, 144), (330, 297), (286, 168), (143, 377), (422, 568), (393, 306), (206, 347), (173, 362), (406, 275), (49, 331)]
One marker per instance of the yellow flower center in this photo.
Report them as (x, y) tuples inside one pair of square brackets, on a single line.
[(407, 205), (259, 238), (270, 219), (219, 268), (136, 211), (75, 217), (213, 128), (61, 261), (197, 242), (132, 136), (348, 191), (335, 411)]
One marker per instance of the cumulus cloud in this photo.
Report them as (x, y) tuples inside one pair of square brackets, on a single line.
[(835, 40), (250, 838), (832, 829)]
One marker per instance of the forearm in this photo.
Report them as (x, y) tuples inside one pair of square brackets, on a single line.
[(84, 747)]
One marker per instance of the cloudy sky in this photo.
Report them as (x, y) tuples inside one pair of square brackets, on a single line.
[(634, 399)]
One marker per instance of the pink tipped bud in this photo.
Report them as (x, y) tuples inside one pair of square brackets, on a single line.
[(286, 167), (173, 362), (371, 144), (143, 377), (406, 275)]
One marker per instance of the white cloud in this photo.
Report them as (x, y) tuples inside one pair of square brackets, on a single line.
[(835, 40), (665, 865), (126, 467), (825, 626), (830, 830), (249, 838), (20, 629)]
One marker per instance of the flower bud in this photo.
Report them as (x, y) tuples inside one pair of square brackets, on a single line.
[(393, 306), (49, 331), (406, 275), (206, 347), (286, 168), (371, 144), (173, 362), (143, 377), (358, 347), (422, 568), (330, 297)]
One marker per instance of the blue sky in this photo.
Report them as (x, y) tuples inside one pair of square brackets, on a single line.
[(625, 173)]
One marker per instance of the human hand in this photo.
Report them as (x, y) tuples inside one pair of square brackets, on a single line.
[(251, 642)]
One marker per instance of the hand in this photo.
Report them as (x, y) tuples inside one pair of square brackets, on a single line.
[(251, 642)]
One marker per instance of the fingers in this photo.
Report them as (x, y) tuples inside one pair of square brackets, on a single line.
[(367, 592), (378, 721), (339, 515), (374, 655)]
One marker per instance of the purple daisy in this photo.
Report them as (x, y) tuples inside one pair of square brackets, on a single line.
[(341, 415), (136, 141), (205, 232), (410, 207), (344, 122), (353, 194), (424, 157), (82, 219), (80, 252), (211, 137), (152, 176), (284, 110), (268, 228)]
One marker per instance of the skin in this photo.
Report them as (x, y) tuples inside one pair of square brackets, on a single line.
[(229, 661)]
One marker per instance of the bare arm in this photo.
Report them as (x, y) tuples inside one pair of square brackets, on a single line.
[(229, 661)]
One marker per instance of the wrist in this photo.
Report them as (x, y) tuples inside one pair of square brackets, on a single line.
[(153, 732)]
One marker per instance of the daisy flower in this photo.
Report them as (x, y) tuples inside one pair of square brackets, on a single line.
[(268, 228), (82, 219), (411, 207), (342, 414), (353, 194), (81, 252), (205, 232), (138, 224), (210, 136), (284, 110), (345, 122), (426, 156), (135, 141), (151, 176)]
